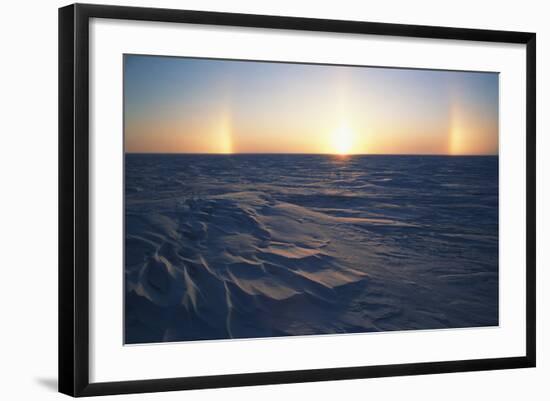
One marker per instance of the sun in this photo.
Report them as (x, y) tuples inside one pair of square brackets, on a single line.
[(342, 140)]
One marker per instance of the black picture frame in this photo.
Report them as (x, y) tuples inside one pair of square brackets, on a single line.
[(74, 198)]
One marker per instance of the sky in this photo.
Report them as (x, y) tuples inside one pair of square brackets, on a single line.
[(191, 105)]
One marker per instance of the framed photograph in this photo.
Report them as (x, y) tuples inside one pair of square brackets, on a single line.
[(250, 199)]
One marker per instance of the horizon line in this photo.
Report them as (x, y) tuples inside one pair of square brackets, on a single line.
[(312, 154)]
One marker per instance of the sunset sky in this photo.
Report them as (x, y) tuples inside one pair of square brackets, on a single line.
[(187, 105)]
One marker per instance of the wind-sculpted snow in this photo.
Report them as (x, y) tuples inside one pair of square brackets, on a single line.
[(246, 246)]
